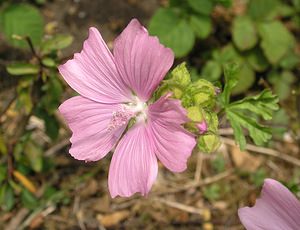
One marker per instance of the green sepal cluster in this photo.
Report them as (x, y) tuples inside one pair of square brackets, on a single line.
[(199, 100), (246, 113)]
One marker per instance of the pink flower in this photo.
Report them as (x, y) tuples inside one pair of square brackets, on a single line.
[(277, 209), (115, 88), (202, 127)]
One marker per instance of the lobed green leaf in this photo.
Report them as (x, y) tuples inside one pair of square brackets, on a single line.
[(174, 32), (263, 104), (259, 133)]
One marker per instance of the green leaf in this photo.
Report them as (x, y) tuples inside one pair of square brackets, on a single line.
[(34, 155), (263, 104), (243, 113), (201, 25), (290, 61), (259, 133), (22, 69), (24, 97), (282, 83), (212, 192), (258, 177), (3, 148), (3, 173), (57, 42), (227, 54), (296, 4), (212, 71), (22, 20), (49, 62), (176, 3), (7, 197), (225, 3), (244, 33), (53, 91), (285, 10), (201, 6), (260, 10), (257, 59), (277, 40), (219, 163), (231, 71), (174, 32), (246, 77), (41, 2), (52, 126), (15, 186), (28, 200)]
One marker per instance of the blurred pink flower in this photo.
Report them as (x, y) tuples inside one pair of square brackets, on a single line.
[(277, 209), (115, 88), (202, 127)]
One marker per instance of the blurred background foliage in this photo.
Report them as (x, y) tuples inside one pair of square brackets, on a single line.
[(262, 36)]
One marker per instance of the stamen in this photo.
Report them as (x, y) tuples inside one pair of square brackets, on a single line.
[(136, 109), (119, 118)]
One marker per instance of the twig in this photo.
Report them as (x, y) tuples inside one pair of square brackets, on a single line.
[(18, 218), (197, 176), (180, 206), (8, 105), (57, 147), (226, 131), (265, 151), (28, 40), (124, 205), (10, 162), (42, 211), (206, 181)]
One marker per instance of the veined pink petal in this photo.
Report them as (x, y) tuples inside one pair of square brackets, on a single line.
[(169, 110), (89, 122), (134, 165), (277, 209), (173, 144), (141, 59), (93, 74)]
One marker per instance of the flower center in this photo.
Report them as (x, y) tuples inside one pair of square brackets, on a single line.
[(136, 109)]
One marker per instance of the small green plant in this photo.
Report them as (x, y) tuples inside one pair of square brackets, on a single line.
[(38, 94)]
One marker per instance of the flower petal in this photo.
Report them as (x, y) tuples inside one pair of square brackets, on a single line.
[(93, 74), (134, 165), (169, 110), (173, 144), (89, 121), (277, 209), (141, 59)]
